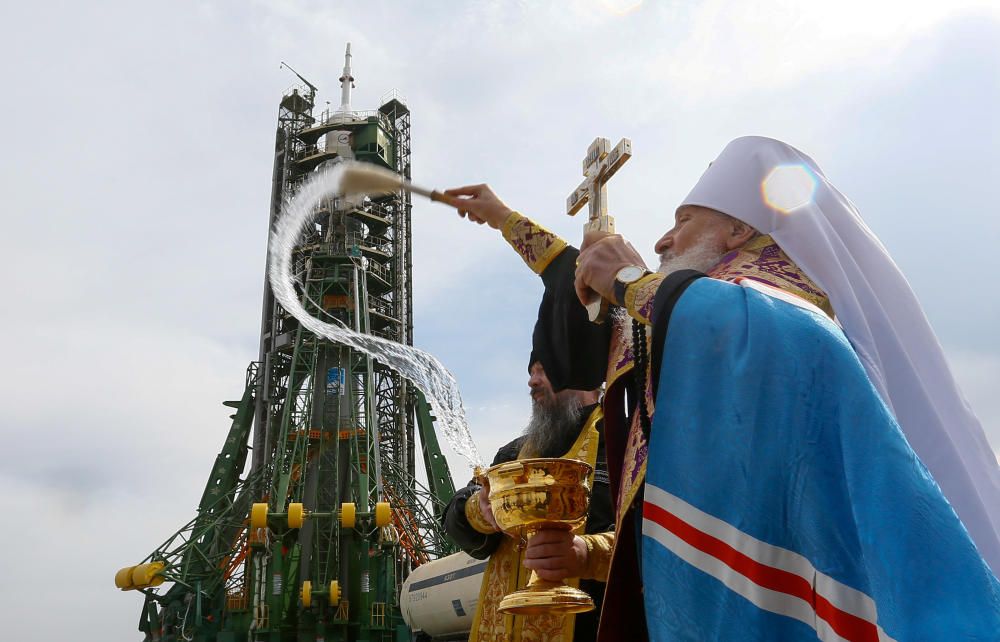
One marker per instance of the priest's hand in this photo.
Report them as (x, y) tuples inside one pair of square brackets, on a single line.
[(556, 554), (601, 256), (481, 205)]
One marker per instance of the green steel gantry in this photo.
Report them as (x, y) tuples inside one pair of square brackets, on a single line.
[(314, 541)]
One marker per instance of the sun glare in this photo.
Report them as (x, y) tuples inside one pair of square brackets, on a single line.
[(789, 187)]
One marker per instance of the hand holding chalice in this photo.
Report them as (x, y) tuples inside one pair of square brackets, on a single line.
[(529, 495)]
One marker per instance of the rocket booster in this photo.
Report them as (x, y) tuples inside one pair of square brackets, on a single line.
[(346, 83)]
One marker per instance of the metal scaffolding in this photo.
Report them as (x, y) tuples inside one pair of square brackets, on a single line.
[(339, 518)]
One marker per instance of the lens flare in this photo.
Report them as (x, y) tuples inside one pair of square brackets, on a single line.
[(789, 187)]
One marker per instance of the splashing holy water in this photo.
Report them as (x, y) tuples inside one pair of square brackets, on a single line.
[(421, 368)]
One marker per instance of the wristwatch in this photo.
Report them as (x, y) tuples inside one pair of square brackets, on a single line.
[(626, 277)]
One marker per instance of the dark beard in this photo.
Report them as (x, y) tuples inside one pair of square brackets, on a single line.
[(553, 427)]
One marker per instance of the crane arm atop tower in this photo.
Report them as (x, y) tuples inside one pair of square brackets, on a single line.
[(312, 87)]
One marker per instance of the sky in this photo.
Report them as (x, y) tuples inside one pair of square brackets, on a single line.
[(136, 182)]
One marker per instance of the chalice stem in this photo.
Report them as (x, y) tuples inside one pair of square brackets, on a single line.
[(536, 583)]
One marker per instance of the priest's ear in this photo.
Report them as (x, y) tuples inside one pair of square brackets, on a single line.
[(739, 233)]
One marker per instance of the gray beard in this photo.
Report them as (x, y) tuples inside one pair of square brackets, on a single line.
[(702, 257), (553, 426)]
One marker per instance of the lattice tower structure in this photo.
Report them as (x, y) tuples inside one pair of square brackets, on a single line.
[(315, 540), (333, 427)]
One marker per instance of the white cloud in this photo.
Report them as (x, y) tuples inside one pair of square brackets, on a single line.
[(111, 429), (82, 547), (722, 49)]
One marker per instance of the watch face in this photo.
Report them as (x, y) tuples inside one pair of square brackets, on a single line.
[(629, 273)]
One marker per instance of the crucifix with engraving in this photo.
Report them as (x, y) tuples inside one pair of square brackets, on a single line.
[(599, 166)]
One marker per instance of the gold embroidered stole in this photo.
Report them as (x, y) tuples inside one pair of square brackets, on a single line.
[(620, 364), (505, 572), (762, 260)]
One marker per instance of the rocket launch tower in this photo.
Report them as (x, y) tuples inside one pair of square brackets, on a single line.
[(314, 540)]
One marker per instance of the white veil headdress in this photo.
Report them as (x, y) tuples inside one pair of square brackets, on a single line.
[(782, 192)]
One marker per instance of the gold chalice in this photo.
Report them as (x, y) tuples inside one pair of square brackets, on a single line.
[(532, 494)]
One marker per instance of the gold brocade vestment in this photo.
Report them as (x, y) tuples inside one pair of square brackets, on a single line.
[(505, 573)]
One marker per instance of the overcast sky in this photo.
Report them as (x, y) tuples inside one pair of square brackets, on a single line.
[(136, 180)]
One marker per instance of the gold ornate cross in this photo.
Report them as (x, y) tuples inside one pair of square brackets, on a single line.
[(599, 166)]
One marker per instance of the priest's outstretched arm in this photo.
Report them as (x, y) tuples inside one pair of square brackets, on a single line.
[(573, 351)]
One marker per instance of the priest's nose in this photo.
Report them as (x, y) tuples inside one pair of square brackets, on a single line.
[(664, 243)]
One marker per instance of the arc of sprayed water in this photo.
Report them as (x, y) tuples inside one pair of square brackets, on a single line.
[(421, 368)]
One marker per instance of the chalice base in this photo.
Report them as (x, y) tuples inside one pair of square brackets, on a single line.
[(542, 597)]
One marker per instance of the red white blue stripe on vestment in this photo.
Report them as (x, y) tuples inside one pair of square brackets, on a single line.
[(772, 578)]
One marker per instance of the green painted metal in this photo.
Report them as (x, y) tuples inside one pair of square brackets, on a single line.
[(373, 144), (438, 473)]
